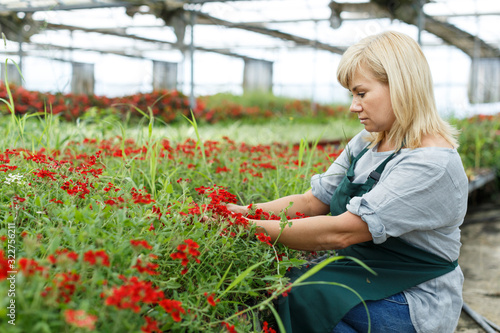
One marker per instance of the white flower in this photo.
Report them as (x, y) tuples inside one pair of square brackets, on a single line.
[(14, 178)]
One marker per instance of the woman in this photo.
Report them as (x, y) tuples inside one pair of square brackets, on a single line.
[(397, 195)]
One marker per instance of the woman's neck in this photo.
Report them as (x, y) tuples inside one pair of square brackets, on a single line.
[(385, 145)]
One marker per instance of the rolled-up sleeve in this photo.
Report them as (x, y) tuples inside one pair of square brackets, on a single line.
[(324, 185)]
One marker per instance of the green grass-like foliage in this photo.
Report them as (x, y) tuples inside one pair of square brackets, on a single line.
[(105, 227), (479, 142)]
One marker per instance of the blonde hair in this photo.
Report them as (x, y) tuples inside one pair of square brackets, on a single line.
[(396, 59)]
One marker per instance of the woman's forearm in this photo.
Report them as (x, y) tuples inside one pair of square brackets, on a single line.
[(293, 204), (318, 233), (305, 204)]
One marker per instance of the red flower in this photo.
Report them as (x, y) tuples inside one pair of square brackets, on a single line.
[(18, 199), (56, 201), (148, 268), (45, 173), (62, 256), (80, 318), (63, 287), (173, 307), (138, 197), (222, 169), (92, 257), (157, 211), (183, 250), (210, 299), (267, 329), (140, 243), (30, 267), (229, 328), (264, 238), (151, 326), (110, 186), (4, 266), (287, 291), (133, 293)]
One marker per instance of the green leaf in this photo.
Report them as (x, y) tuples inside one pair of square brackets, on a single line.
[(241, 277), (223, 277)]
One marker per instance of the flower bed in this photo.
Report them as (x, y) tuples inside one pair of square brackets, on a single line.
[(110, 235), (479, 143), (167, 106)]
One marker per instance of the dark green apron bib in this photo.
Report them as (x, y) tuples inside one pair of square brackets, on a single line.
[(399, 266)]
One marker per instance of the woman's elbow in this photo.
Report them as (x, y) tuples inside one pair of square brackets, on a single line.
[(315, 206)]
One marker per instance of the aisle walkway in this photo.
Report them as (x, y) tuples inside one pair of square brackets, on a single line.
[(480, 262)]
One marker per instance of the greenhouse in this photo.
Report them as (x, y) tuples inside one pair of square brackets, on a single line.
[(196, 166)]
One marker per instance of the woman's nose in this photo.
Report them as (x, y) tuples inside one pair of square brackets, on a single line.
[(355, 106)]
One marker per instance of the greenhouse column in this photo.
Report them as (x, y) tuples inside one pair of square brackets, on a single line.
[(82, 81), (13, 74), (484, 80), (164, 75), (192, 99), (258, 75)]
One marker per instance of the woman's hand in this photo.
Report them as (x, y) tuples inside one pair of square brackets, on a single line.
[(237, 209)]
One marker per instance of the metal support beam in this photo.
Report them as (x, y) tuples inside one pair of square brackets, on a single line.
[(114, 32), (192, 99), (421, 20)]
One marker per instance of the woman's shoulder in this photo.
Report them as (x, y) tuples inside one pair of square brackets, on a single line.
[(433, 148), (434, 155), (433, 161), (435, 140)]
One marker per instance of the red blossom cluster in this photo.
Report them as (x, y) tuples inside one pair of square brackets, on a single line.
[(210, 299), (164, 104), (96, 257), (219, 197), (30, 267), (140, 196), (229, 328), (186, 251), (137, 244), (151, 326), (63, 286), (80, 318), (147, 267), (267, 329), (264, 238), (4, 266), (62, 256), (173, 307), (132, 294)]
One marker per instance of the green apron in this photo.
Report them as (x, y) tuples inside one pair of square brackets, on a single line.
[(399, 266)]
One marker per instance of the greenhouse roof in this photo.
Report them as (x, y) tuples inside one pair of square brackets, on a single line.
[(302, 35), (289, 23)]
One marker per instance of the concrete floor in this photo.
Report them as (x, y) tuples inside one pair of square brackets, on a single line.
[(480, 262)]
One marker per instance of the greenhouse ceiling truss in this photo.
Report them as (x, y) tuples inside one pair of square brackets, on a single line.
[(17, 23)]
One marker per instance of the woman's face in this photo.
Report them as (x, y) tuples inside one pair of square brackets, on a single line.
[(371, 101)]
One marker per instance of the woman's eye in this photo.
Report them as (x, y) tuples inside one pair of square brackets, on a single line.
[(361, 94)]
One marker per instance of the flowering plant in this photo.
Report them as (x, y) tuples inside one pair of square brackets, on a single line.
[(167, 106), (111, 235)]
